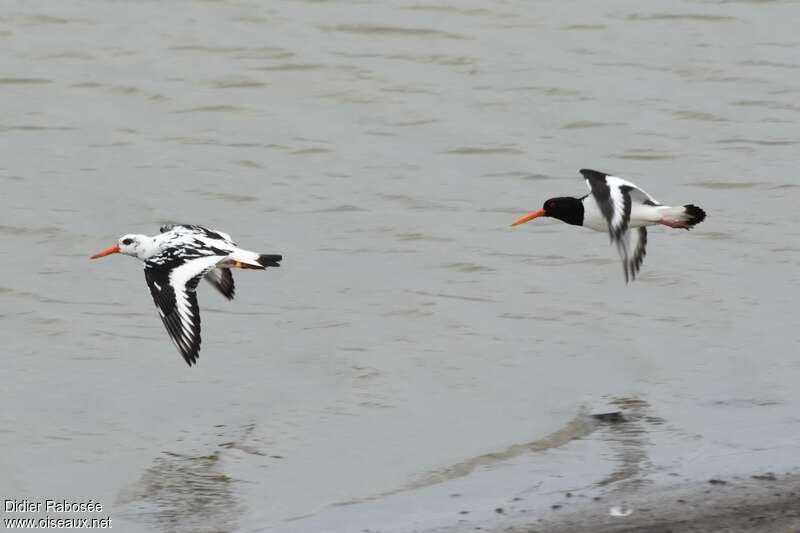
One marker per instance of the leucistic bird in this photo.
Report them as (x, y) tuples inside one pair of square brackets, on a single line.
[(617, 206), (174, 262)]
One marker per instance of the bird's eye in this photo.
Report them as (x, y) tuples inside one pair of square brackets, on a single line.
[(126, 242), (551, 204)]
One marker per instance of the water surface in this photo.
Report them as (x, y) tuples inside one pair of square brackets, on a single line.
[(414, 357)]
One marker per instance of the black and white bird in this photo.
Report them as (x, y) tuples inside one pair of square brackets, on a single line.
[(174, 262), (616, 206)]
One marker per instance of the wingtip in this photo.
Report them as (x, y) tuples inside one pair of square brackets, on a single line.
[(587, 172)]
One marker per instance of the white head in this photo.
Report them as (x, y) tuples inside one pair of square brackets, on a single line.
[(139, 246)]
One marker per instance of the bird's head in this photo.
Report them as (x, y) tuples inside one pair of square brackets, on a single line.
[(564, 208), (133, 245)]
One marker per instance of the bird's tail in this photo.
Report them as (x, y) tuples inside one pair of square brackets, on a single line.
[(269, 260), (248, 259), (684, 216)]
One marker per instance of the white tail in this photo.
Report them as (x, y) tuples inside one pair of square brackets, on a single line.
[(684, 215), (247, 259)]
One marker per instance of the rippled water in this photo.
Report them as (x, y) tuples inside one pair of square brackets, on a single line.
[(390, 374)]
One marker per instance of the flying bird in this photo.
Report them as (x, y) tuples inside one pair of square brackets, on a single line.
[(617, 206), (174, 262)]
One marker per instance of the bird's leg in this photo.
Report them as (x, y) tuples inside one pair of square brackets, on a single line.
[(238, 264), (674, 224)]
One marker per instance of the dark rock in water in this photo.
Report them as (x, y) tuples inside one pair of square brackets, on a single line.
[(769, 476), (717, 481), (556, 506), (499, 510), (613, 417)]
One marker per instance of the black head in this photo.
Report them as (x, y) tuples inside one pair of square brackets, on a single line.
[(565, 208)]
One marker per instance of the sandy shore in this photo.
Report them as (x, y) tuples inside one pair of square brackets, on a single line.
[(763, 503)]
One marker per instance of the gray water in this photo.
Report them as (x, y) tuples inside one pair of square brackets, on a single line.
[(414, 357)]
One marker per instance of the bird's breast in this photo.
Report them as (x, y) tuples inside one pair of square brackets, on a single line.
[(592, 216)]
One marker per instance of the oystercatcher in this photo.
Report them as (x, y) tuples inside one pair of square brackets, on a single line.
[(174, 262), (615, 205)]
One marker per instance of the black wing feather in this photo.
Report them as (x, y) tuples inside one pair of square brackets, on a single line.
[(626, 211), (222, 280), (602, 195), (618, 229), (633, 264), (164, 296)]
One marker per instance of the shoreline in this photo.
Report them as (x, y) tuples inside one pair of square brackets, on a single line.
[(763, 503)]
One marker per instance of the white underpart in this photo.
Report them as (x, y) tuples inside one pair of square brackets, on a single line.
[(245, 256), (672, 214), (592, 216), (645, 215)]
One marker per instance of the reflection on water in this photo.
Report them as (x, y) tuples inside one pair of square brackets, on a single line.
[(580, 426), (183, 493), (629, 440), (189, 493)]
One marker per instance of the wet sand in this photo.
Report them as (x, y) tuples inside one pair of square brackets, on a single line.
[(763, 503)]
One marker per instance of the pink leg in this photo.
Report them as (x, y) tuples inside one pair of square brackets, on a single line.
[(674, 224)]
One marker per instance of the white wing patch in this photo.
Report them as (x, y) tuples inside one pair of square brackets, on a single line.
[(637, 194), (172, 285), (184, 282)]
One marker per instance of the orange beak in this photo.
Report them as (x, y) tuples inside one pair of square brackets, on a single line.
[(528, 217), (108, 251)]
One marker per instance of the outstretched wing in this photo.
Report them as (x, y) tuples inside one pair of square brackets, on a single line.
[(172, 285), (222, 280), (599, 179), (614, 197), (633, 261)]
